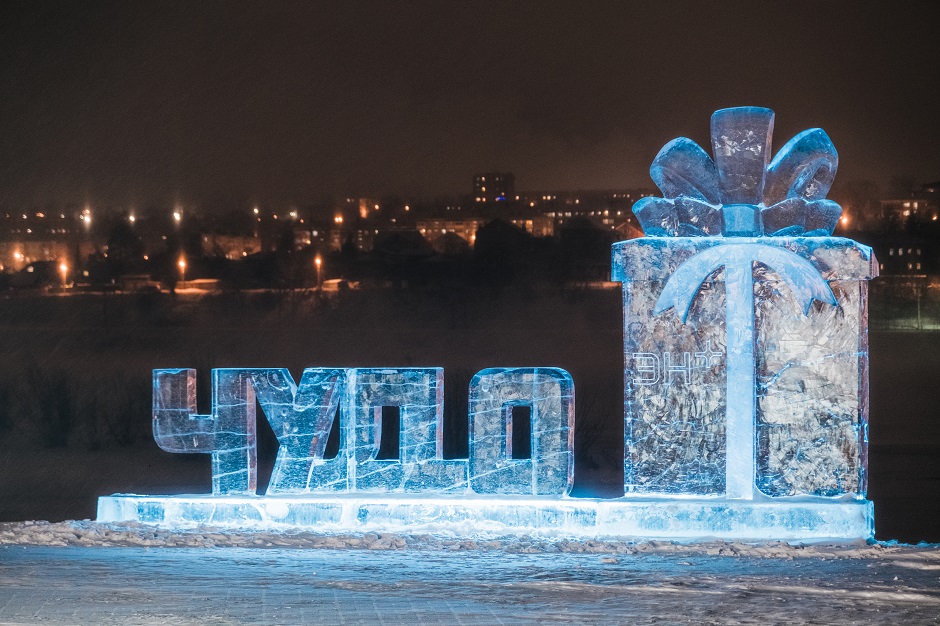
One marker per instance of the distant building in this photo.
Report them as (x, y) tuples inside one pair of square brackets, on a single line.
[(494, 187), (901, 254), (15, 255), (466, 229), (536, 225), (232, 247), (923, 206), (611, 209)]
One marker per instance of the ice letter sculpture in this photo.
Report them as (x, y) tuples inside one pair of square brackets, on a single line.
[(549, 393), (420, 466), (302, 418), (228, 434), (745, 324)]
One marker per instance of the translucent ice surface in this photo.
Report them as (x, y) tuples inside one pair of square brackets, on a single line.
[(746, 353), (420, 465), (742, 192), (302, 418), (741, 146), (549, 393), (228, 433), (745, 365)]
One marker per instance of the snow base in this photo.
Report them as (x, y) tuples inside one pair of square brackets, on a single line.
[(684, 520)]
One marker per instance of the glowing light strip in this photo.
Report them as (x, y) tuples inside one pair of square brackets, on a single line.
[(787, 520)]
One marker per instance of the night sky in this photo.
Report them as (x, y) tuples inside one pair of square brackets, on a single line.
[(130, 103)]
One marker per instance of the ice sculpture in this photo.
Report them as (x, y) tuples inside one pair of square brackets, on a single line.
[(746, 388), (549, 392), (228, 433), (418, 392), (745, 323), (302, 418)]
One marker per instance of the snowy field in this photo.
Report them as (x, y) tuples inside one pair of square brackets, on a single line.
[(87, 573)]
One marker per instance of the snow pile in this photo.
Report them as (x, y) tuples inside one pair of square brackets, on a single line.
[(132, 534)]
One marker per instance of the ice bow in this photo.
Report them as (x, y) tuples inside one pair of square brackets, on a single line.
[(742, 193)]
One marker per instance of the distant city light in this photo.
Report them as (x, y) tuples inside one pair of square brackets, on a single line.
[(408, 208), (293, 214), (844, 220), (338, 219), (64, 270), (131, 218), (177, 216), (255, 210)]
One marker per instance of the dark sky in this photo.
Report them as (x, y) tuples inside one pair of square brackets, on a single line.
[(203, 102)]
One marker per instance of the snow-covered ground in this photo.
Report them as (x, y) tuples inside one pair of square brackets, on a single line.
[(89, 573)]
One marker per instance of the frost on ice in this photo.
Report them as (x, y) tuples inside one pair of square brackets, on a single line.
[(745, 322), (420, 465), (302, 417), (549, 393)]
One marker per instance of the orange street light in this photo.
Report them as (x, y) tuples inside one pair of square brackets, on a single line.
[(64, 270), (182, 265), (319, 263)]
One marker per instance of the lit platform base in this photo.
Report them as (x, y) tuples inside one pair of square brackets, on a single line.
[(563, 517)]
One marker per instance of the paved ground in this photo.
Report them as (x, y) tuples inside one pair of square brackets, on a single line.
[(120, 585)]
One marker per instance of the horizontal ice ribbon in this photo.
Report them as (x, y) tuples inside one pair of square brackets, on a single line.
[(742, 192), (804, 280)]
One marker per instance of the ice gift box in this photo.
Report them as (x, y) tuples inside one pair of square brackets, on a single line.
[(745, 323)]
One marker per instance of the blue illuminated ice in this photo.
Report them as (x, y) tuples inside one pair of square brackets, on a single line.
[(743, 193), (420, 465), (302, 418), (745, 350), (228, 433), (745, 387), (549, 392)]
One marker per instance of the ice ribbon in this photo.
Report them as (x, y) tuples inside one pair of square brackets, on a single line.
[(738, 260), (742, 192)]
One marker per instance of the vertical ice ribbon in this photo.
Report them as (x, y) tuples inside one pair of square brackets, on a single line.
[(738, 260)]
